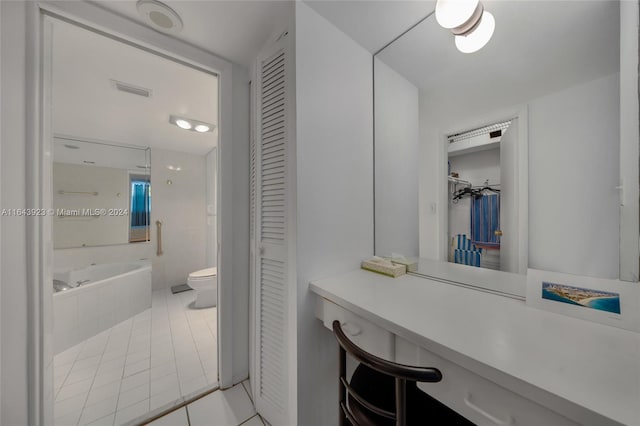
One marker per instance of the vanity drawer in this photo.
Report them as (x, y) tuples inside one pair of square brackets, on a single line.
[(476, 398), (363, 333)]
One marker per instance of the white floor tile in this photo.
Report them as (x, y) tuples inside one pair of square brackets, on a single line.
[(70, 419), (134, 381), (175, 418), (104, 421), (84, 363), (69, 405), (163, 370), (190, 371), (106, 378), (253, 421), (136, 367), (76, 376), (247, 387), (164, 383), (163, 398), (140, 364), (100, 393), (101, 409), (133, 396), (189, 386), (131, 412), (229, 408), (74, 390)]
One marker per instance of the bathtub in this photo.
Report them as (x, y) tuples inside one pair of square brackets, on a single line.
[(100, 297)]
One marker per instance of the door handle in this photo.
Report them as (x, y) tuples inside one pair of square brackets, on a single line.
[(159, 242)]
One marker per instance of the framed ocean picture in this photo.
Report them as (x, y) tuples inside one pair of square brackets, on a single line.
[(589, 298), (607, 301)]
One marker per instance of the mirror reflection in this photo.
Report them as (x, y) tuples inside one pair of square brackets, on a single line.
[(101, 194), (506, 158)]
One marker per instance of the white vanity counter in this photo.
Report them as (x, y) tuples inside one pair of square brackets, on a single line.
[(587, 372)]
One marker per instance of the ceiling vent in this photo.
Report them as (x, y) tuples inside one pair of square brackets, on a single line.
[(130, 88), (483, 138)]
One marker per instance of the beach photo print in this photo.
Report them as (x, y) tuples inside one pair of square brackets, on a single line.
[(588, 298), (604, 300)]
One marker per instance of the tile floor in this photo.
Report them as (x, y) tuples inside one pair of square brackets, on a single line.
[(231, 407), (139, 365)]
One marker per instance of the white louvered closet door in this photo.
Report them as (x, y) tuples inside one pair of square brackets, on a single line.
[(272, 205)]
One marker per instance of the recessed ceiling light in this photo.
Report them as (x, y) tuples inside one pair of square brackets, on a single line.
[(174, 168), (159, 16), (71, 146), (191, 124), (183, 124)]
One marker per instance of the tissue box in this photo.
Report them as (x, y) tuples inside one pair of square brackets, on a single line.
[(393, 271), (411, 265)]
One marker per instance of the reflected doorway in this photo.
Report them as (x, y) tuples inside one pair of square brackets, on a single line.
[(482, 208)]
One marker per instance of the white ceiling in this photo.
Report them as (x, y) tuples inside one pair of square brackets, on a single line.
[(373, 23), (235, 30), (538, 47), (87, 106)]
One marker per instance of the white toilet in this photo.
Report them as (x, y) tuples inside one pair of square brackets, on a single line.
[(205, 283)]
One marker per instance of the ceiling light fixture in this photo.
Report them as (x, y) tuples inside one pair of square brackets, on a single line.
[(159, 16), (471, 25), (191, 124), (479, 37), (183, 124)]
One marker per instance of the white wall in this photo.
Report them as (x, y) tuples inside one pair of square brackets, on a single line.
[(240, 206), (181, 207), (334, 190), (396, 145), (574, 163), (13, 266), (211, 184), (573, 169)]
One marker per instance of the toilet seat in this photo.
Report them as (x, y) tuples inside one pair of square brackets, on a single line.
[(204, 273)]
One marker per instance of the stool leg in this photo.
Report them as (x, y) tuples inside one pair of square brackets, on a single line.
[(341, 390), (401, 402)]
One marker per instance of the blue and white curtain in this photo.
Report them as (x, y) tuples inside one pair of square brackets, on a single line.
[(140, 203), (485, 220)]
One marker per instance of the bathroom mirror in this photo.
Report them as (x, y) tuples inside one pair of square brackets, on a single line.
[(101, 193), (531, 123)]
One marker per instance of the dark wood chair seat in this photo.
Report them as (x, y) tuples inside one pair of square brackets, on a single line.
[(385, 393)]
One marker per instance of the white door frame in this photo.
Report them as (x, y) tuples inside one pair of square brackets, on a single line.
[(39, 246)]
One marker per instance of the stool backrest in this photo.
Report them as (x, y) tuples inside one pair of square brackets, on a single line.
[(400, 372)]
